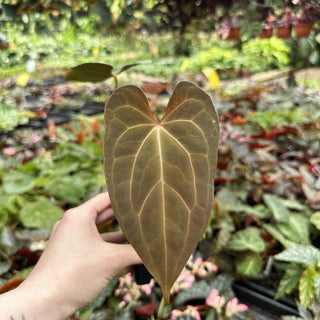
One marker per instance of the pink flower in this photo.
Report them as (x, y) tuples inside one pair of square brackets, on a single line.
[(189, 311), (35, 139), (184, 281), (147, 288), (203, 268), (9, 151), (234, 307), (215, 301)]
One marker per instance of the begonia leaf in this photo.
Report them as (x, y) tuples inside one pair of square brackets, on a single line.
[(160, 175), (40, 214)]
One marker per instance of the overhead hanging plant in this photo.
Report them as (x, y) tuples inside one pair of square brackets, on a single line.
[(160, 175)]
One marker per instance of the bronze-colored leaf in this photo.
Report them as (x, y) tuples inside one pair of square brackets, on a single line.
[(89, 72), (160, 176)]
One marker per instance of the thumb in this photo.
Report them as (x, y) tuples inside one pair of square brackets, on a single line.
[(128, 255)]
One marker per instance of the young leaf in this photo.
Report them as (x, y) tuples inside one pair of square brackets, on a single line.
[(305, 254), (306, 286), (247, 239), (90, 72), (160, 176), (290, 280)]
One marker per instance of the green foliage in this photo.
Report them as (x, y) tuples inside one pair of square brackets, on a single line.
[(10, 117), (276, 119), (247, 239), (257, 55), (273, 53), (306, 286), (17, 182), (290, 280), (315, 219), (279, 211), (67, 175), (304, 271), (40, 214), (248, 265), (304, 254)]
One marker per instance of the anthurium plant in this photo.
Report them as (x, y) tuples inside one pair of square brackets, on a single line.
[(160, 175)]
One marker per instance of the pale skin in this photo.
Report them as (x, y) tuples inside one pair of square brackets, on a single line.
[(75, 267)]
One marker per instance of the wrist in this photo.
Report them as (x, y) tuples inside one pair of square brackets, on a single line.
[(40, 303)]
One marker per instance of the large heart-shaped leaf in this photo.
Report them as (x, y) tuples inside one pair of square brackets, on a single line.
[(160, 176)]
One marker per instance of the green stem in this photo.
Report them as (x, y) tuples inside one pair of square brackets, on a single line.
[(116, 81), (160, 310)]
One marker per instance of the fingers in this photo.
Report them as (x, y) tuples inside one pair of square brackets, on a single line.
[(113, 237), (104, 216), (97, 204)]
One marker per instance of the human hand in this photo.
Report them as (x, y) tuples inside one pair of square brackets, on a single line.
[(77, 263)]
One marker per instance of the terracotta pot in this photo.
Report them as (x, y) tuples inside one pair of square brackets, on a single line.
[(233, 34), (303, 30), (266, 33), (283, 32)]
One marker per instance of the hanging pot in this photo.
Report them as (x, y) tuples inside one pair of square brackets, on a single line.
[(283, 32), (303, 30)]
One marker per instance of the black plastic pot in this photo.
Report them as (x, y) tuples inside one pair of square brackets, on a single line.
[(141, 274), (257, 296)]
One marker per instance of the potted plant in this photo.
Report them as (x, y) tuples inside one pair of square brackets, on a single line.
[(284, 26), (229, 31), (266, 31), (302, 27)]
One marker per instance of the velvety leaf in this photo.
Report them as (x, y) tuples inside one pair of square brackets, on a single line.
[(305, 254), (306, 286), (290, 280), (249, 266), (280, 212), (91, 72), (315, 219), (40, 214), (247, 239), (17, 182), (160, 176)]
